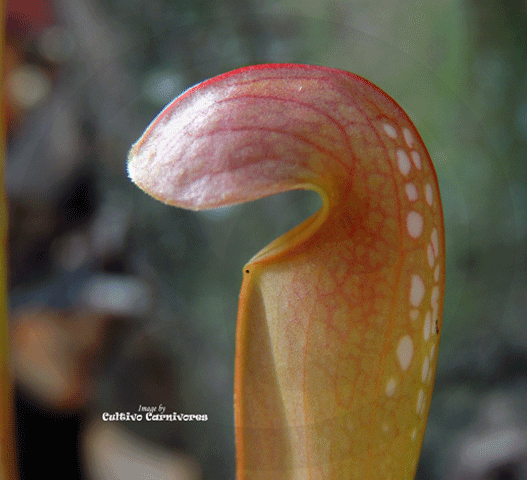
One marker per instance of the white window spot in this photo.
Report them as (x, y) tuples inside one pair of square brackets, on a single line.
[(414, 314), (435, 241), (390, 130), (417, 290), (429, 194), (411, 192), (390, 386), (427, 325), (403, 162), (430, 255), (416, 158), (405, 351), (408, 137), (432, 351), (420, 402), (414, 224), (426, 366), (436, 273), (413, 434)]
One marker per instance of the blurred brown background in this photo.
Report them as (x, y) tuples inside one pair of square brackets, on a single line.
[(118, 301)]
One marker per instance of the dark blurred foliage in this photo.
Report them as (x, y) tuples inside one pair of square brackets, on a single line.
[(158, 286), (86, 78), (36, 455)]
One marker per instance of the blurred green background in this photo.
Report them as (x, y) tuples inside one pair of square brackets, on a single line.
[(83, 78)]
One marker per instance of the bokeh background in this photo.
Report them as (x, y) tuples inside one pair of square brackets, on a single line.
[(118, 301)]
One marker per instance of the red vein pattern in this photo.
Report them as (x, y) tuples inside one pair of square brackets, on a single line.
[(339, 319)]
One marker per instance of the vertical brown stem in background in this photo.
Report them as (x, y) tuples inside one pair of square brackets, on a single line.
[(7, 446)]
